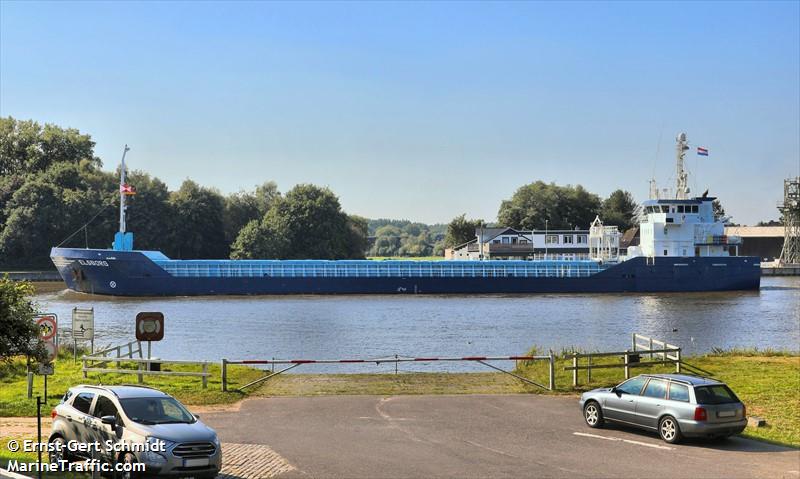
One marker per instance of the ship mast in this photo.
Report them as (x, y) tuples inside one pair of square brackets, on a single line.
[(682, 190), (122, 192)]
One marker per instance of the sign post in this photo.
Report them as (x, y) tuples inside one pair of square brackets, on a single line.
[(48, 334), (82, 328), (149, 327)]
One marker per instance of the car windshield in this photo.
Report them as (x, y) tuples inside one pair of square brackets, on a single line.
[(719, 394), (156, 410)]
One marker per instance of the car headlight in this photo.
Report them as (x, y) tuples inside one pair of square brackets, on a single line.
[(155, 450), (216, 442)]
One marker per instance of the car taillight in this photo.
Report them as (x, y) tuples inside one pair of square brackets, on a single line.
[(700, 414), (53, 414)]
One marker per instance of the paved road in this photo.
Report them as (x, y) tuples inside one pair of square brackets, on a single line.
[(477, 436)]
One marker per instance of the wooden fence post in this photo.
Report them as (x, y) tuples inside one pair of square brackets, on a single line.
[(627, 365), (84, 367), (205, 377), (224, 375), (589, 371), (574, 370)]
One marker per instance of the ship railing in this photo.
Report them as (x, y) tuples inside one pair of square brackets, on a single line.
[(445, 269), (288, 364)]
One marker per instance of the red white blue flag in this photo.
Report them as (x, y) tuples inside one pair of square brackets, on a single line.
[(702, 151)]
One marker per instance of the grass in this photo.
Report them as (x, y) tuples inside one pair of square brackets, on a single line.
[(13, 384)]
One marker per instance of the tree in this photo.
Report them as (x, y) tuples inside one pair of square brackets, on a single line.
[(20, 335), (197, 228), (539, 204), (27, 147), (149, 214), (719, 210), (308, 223), (460, 230), (244, 207), (53, 205), (619, 209)]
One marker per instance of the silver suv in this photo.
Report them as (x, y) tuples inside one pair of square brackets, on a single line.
[(143, 425), (675, 405)]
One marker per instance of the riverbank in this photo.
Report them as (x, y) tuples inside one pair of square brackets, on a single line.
[(767, 382)]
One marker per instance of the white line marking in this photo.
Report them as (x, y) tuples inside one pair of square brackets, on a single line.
[(638, 443)]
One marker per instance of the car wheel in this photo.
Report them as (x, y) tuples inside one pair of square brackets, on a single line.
[(592, 414), (669, 430), (128, 459), (58, 450)]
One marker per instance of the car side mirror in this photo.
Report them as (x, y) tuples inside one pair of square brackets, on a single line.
[(616, 391), (110, 420)]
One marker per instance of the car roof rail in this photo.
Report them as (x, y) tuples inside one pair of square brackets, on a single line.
[(95, 386)]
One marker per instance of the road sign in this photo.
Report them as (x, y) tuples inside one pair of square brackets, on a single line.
[(150, 326), (48, 333), (83, 323), (46, 369)]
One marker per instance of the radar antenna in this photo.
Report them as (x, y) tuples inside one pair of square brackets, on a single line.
[(682, 190)]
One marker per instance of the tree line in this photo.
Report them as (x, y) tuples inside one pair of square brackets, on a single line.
[(53, 188)]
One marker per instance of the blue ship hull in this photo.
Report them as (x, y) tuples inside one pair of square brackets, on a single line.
[(133, 273)]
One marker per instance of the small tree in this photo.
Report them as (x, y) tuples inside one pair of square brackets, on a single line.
[(19, 334), (460, 230)]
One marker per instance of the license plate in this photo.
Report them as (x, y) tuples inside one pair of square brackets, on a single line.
[(726, 413), (195, 462)]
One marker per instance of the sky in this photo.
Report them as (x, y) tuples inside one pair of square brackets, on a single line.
[(417, 110)]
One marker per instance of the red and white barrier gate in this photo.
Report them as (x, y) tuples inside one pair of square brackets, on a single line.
[(293, 363)]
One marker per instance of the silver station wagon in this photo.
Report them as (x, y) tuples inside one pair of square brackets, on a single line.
[(675, 405)]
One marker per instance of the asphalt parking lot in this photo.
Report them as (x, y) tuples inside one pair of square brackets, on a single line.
[(474, 436)]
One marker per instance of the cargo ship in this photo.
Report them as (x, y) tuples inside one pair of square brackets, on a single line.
[(682, 248)]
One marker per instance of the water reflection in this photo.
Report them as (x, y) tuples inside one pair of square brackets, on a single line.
[(370, 326)]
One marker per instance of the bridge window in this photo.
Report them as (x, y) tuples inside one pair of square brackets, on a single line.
[(567, 239), (680, 208)]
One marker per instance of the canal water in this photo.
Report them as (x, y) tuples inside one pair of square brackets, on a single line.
[(317, 327)]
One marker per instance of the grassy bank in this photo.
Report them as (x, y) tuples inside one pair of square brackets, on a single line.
[(13, 384), (767, 381)]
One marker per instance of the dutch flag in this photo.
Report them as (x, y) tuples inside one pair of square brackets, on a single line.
[(702, 151)]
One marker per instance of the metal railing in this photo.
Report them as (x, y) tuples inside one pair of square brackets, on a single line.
[(664, 353), (118, 350), (94, 364), (293, 363)]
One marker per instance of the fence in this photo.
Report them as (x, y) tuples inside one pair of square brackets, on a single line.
[(642, 345), (293, 363), (640, 342), (145, 367), (119, 353)]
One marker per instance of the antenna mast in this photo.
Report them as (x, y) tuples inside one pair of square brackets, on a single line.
[(682, 180), (122, 192)]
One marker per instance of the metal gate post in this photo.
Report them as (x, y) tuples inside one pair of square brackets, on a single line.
[(552, 382), (205, 376), (224, 375), (678, 361)]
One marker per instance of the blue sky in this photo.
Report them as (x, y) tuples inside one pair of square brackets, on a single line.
[(420, 110)]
